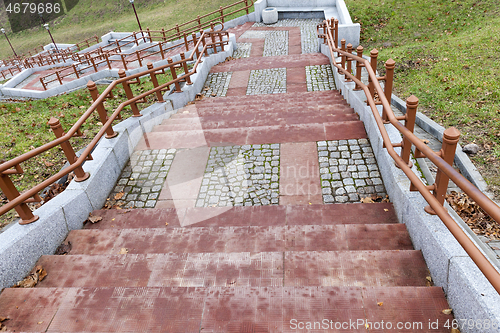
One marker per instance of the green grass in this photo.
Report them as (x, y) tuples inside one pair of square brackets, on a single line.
[(25, 127), (97, 17), (447, 54)]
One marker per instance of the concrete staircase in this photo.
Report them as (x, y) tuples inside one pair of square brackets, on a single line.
[(298, 266), (249, 269)]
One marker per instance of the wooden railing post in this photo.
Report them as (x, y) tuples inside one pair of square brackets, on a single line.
[(336, 31), (349, 62), (76, 71), (174, 76), (186, 42), (103, 115), (138, 54), (129, 94), (123, 61), (447, 152), (359, 66), (221, 14), (246, 6), (389, 77), (409, 118), (186, 71), (342, 58), (10, 191), (154, 80), (195, 41), (56, 127), (373, 63)]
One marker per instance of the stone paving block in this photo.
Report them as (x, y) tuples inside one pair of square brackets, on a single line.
[(319, 77), (217, 84), (349, 173), (240, 176), (243, 50), (267, 81), (142, 178), (308, 34)]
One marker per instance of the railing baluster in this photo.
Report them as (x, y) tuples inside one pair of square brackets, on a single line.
[(389, 77), (174, 76), (129, 94), (154, 80), (103, 115), (10, 191), (373, 63), (186, 71), (359, 66), (409, 118), (349, 62), (56, 127), (447, 152)]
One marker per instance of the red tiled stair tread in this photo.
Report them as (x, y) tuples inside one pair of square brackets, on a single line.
[(270, 119), (355, 268), (311, 96), (253, 63), (236, 269), (342, 130), (356, 213), (241, 239), (221, 309)]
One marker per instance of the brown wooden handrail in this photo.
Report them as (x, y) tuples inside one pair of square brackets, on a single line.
[(486, 267), (4, 167), (136, 36)]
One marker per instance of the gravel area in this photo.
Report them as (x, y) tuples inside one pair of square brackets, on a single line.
[(241, 176), (319, 77), (142, 179), (348, 171), (267, 81), (243, 50), (217, 84), (309, 37)]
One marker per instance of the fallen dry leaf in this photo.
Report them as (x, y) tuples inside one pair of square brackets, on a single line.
[(425, 141), (447, 311), (386, 210), (455, 330), (428, 281), (123, 251), (36, 275), (40, 322), (366, 200), (480, 222), (48, 164), (380, 303), (120, 195), (166, 223), (63, 249), (95, 219), (2, 319)]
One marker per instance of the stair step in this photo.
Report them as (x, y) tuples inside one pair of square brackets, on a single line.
[(218, 309), (353, 237), (356, 213), (244, 269), (290, 98), (235, 121)]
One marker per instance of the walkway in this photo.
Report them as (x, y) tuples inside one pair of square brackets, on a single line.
[(256, 223)]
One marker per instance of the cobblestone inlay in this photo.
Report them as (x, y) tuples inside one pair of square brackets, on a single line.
[(217, 84), (254, 34), (348, 171), (319, 77), (241, 176), (309, 37), (267, 81), (276, 43), (142, 179), (243, 50)]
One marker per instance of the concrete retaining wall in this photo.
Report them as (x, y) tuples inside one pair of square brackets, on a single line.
[(469, 293)]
